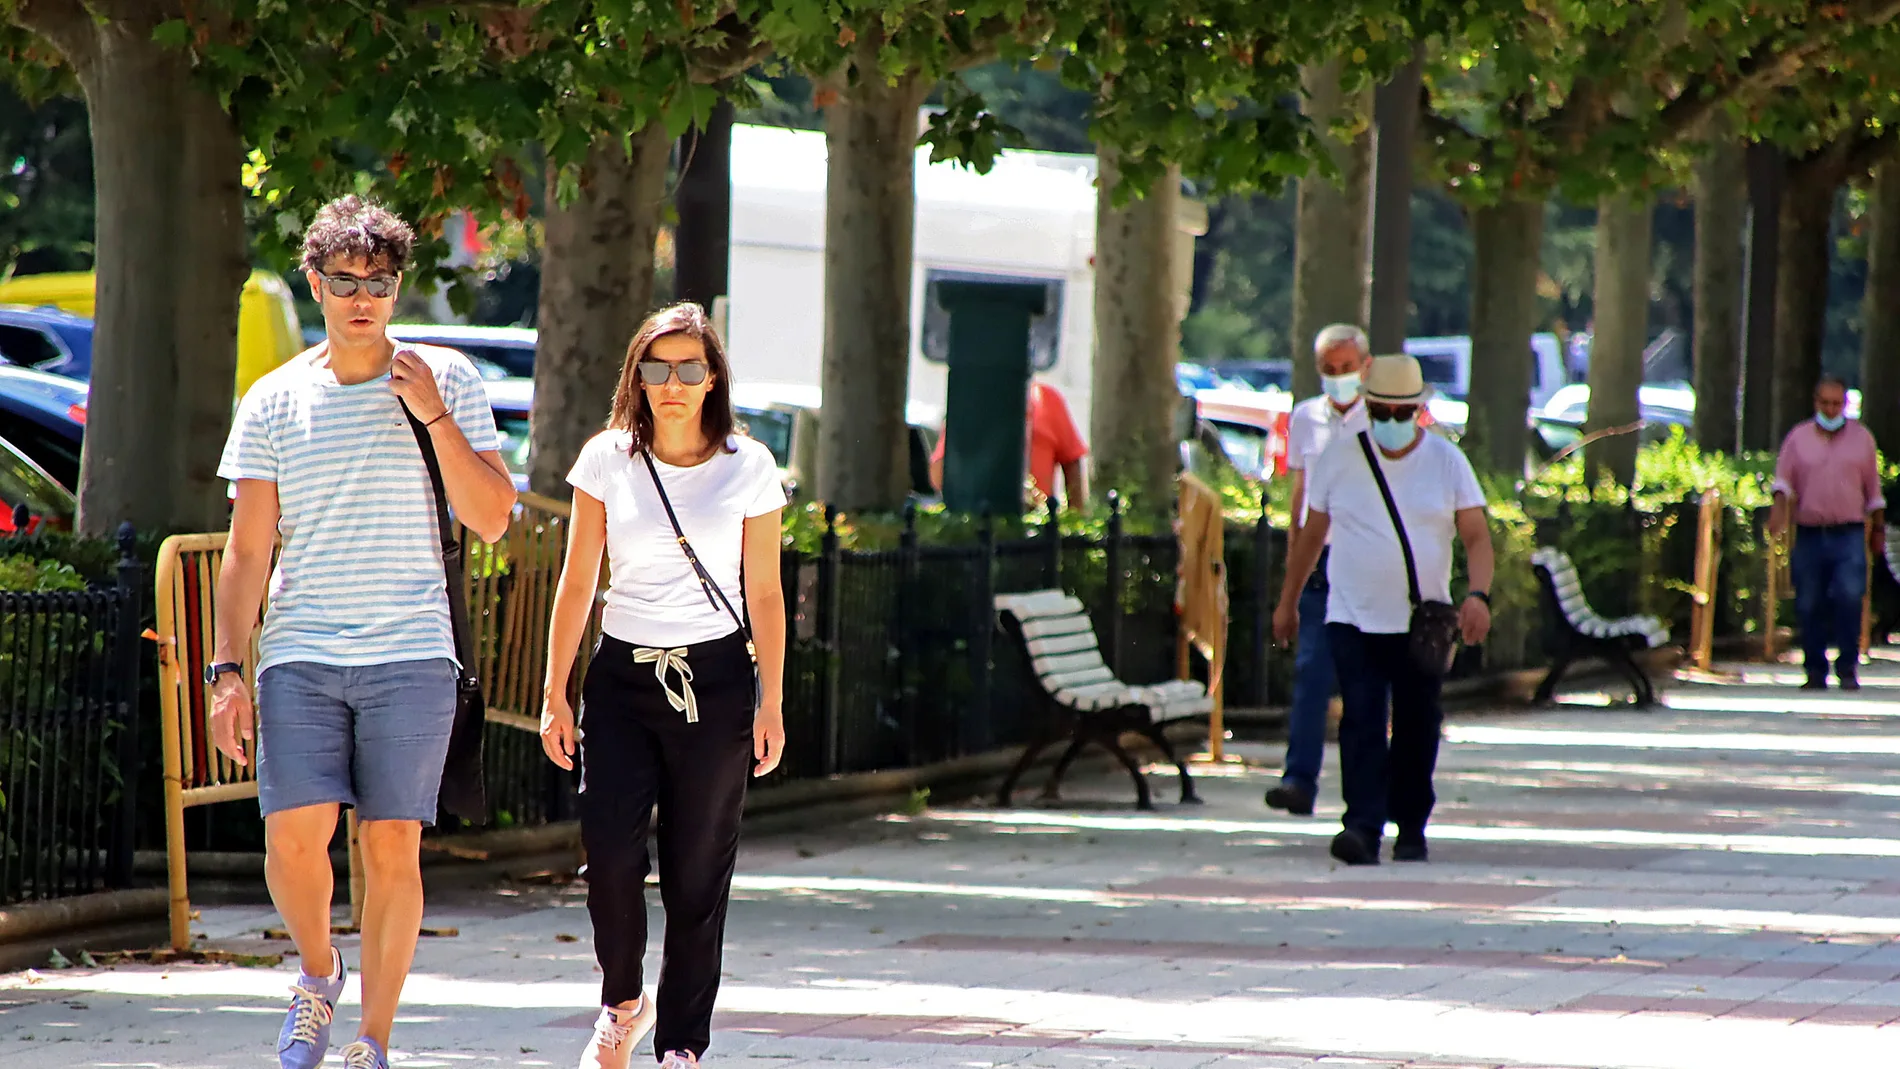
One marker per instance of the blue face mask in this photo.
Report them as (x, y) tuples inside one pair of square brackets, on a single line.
[(1343, 389), (1394, 434), (1830, 423)]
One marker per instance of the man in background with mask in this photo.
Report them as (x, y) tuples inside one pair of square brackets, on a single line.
[(1342, 352), (1369, 606), (1828, 476)]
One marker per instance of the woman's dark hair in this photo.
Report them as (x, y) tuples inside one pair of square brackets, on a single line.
[(351, 227), (631, 412)]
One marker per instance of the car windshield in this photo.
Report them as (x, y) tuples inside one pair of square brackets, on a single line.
[(1441, 370), (771, 428), (514, 442), (21, 483)]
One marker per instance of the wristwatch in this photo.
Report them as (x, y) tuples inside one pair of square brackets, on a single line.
[(213, 671), (1481, 595)]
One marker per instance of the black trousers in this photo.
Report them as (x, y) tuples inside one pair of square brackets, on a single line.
[(637, 750), (1384, 778)]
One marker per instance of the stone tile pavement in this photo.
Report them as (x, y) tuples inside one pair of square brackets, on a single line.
[(1712, 884)]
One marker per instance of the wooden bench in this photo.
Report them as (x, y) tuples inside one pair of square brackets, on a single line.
[(1574, 630), (1080, 696)]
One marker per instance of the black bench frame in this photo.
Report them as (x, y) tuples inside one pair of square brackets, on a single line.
[(1102, 727), (1564, 644)]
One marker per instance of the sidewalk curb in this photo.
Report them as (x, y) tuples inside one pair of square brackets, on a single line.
[(108, 920)]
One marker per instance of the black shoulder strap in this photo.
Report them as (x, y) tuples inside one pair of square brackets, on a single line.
[(706, 582), (451, 548), (1392, 509)]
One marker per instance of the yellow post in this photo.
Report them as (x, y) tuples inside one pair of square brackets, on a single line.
[(358, 880), (1867, 591), (1771, 598), (1702, 615), (172, 750)]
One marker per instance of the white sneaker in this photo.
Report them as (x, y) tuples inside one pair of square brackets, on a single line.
[(680, 1059), (616, 1034)]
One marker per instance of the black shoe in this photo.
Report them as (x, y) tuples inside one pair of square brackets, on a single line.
[(1850, 681), (1410, 848), (1815, 684), (1355, 847), (1291, 797)]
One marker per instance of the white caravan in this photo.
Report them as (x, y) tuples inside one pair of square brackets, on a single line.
[(1031, 218)]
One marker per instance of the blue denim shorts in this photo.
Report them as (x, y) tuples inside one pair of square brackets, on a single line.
[(369, 736)]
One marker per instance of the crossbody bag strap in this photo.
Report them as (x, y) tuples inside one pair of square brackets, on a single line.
[(450, 547), (706, 582), (1392, 510)]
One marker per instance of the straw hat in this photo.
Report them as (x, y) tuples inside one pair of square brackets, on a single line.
[(1394, 380)]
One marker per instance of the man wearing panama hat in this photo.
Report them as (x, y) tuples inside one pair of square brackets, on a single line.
[(1391, 493)]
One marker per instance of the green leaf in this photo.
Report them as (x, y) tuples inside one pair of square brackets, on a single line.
[(172, 33)]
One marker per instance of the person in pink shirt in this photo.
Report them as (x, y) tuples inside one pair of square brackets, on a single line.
[(1828, 478), (1054, 442)]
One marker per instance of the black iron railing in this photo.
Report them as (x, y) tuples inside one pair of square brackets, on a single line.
[(69, 747)]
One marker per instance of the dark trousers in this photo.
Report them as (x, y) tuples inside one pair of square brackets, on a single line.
[(1313, 686), (1379, 685), (1829, 569), (636, 751)]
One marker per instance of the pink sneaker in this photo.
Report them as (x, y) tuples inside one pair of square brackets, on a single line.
[(616, 1034), (680, 1059)]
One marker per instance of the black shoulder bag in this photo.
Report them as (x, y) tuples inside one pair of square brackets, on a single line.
[(463, 793), (706, 582), (1434, 627)]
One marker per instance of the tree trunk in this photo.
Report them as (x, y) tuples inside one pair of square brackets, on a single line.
[(215, 255), (1138, 283), (1880, 338), (1389, 291), (1720, 208), (1624, 225), (703, 242), (1767, 183), (172, 253), (1807, 207), (596, 287), (1507, 244), (1330, 271), (870, 210)]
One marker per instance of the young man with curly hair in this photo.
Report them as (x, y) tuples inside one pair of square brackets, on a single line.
[(357, 666)]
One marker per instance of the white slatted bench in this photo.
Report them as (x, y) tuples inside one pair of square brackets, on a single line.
[(1080, 696), (1574, 630)]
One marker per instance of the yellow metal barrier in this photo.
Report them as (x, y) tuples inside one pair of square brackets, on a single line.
[(510, 596), (1201, 598), (1708, 554), (1780, 585)]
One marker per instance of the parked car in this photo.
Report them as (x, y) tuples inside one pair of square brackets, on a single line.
[(31, 499), (1252, 425), (1446, 362), (267, 318), (44, 416), (1256, 374), (500, 352), (46, 339)]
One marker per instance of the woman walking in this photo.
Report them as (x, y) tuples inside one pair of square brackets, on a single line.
[(682, 698)]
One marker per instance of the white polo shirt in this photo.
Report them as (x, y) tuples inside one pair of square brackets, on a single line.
[(1313, 426), (1431, 484)]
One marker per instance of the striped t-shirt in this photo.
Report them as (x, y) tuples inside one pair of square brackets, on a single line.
[(360, 578)]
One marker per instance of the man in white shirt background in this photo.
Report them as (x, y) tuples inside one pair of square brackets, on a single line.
[(1342, 352), (1368, 607)]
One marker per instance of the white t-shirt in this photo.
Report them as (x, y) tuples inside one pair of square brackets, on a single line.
[(654, 597), (1431, 484), (1313, 426)]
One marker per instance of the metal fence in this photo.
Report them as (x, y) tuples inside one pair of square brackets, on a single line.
[(69, 746), (892, 659)]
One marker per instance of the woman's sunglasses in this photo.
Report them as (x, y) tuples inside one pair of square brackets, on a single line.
[(657, 372), (378, 286), (1392, 413)]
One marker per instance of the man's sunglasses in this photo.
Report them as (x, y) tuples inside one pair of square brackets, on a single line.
[(657, 372), (1391, 413), (378, 286)]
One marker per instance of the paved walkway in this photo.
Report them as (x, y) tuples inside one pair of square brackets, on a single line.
[(1713, 884)]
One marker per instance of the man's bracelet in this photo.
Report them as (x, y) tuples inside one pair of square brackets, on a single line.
[(1480, 595), (436, 420)]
